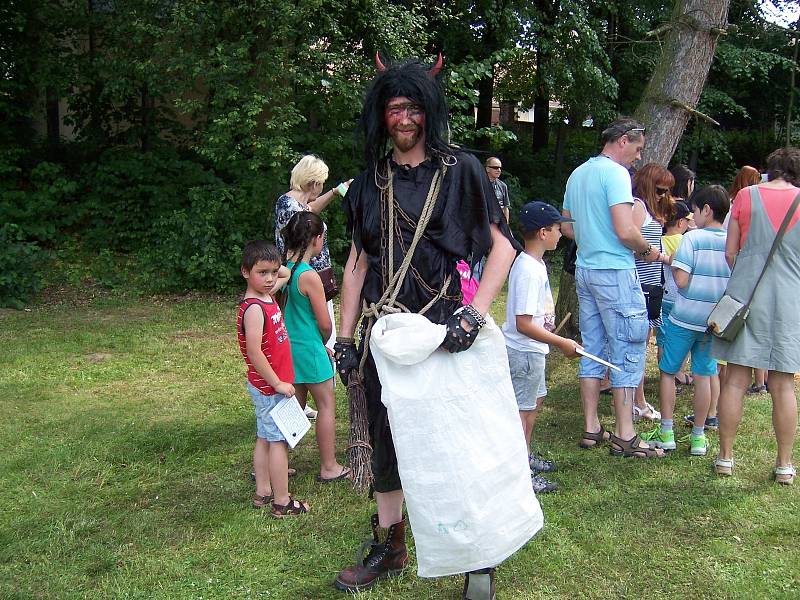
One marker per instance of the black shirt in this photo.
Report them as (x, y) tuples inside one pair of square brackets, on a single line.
[(458, 229)]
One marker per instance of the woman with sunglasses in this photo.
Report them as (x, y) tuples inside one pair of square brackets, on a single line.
[(653, 206)]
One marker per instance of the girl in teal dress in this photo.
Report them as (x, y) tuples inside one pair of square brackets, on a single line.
[(309, 325)]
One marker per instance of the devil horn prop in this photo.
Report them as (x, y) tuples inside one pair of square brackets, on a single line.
[(437, 67), (381, 67)]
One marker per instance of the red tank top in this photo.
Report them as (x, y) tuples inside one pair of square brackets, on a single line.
[(274, 344)]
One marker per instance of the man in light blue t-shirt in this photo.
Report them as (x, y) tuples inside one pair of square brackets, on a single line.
[(613, 316)]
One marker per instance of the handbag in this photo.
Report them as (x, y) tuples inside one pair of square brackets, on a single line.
[(653, 296), (328, 278), (728, 316)]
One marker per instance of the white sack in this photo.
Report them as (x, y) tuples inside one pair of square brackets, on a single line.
[(460, 447)]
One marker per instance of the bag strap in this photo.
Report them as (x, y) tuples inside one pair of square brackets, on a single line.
[(777, 241)]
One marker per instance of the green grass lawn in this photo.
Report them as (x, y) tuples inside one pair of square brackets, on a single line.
[(125, 449)]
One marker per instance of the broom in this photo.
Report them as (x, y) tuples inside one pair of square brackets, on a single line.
[(359, 450)]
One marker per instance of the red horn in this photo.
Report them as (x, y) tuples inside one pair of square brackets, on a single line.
[(381, 67), (437, 67)]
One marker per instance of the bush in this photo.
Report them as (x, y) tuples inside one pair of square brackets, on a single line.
[(199, 247), (126, 191), (20, 261), (38, 203)]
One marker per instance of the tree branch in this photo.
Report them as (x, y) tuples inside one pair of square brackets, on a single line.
[(692, 111)]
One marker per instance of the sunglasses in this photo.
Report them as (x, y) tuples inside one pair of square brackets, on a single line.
[(661, 191), (494, 168), (635, 130)]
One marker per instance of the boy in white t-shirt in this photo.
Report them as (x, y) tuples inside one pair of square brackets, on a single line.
[(530, 321)]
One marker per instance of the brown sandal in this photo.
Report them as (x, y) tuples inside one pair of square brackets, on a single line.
[(598, 438), (631, 448), (261, 501), (294, 508)]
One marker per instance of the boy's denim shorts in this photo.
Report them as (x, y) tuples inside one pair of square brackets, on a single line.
[(527, 377), (678, 342), (613, 323), (266, 428)]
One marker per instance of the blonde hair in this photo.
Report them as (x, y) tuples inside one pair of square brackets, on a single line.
[(310, 169)]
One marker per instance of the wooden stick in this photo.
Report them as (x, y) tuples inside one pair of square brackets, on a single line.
[(563, 322)]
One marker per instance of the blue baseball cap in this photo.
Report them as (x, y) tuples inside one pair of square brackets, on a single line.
[(537, 214)]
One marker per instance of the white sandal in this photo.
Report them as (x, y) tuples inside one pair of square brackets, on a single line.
[(648, 412), (723, 466), (785, 475)]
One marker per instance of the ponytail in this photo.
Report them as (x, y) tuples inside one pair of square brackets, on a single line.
[(303, 227)]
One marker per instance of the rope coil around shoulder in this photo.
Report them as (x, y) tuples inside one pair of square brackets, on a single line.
[(387, 303)]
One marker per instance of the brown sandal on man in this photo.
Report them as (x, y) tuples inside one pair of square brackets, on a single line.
[(294, 508), (631, 448), (597, 438), (261, 501)]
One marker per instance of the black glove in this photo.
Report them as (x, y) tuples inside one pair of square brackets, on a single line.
[(347, 357), (459, 339)]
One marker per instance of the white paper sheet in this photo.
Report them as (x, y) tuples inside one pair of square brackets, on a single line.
[(291, 420), (583, 352)]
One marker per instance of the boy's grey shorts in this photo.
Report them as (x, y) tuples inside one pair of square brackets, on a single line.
[(527, 377)]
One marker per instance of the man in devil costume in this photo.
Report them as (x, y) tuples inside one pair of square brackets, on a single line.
[(414, 178)]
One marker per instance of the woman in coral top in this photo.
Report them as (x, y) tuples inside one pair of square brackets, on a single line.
[(769, 337)]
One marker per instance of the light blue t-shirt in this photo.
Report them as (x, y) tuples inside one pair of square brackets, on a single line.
[(592, 189), (702, 255)]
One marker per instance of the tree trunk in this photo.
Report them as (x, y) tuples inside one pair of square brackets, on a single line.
[(789, 108), (485, 93), (541, 108), (567, 304), (680, 75)]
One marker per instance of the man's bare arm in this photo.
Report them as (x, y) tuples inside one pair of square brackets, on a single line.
[(352, 282), (495, 271)]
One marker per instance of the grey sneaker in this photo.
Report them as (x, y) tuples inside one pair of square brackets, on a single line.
[(541, 485), (540, 465)]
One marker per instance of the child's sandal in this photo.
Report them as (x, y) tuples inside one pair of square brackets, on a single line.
[(294, 508)]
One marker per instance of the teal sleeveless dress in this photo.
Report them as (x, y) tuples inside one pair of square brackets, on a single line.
[(769, 338), (311, 361)]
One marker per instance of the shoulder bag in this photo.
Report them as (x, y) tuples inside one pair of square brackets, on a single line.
[(729, 315)]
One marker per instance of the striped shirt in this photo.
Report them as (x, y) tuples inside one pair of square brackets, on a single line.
[(702, 255), (274, 344)]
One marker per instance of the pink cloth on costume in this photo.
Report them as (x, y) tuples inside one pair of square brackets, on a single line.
[(468, 283), (776, 203)]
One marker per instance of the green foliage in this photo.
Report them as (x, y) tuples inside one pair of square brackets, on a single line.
[(20, 263), (126, 191), (198, 247), (38, 204)]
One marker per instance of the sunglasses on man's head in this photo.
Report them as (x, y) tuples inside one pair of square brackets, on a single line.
[(635, 130)]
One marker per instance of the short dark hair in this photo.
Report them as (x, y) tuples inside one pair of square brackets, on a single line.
[(622, 126), (784, 164), (713, 196), (258, 250)]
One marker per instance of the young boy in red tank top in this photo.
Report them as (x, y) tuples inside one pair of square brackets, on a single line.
[(264, 344)]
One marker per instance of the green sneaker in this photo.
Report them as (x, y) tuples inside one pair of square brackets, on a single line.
[(699, 445), (660, 439)]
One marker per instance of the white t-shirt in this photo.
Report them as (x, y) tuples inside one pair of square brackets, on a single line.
[(528, 294)]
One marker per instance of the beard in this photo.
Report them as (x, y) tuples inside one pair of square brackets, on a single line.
[(406, 139)]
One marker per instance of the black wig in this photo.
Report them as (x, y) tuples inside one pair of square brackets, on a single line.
[(412, 79)]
